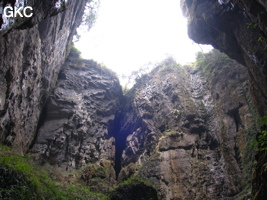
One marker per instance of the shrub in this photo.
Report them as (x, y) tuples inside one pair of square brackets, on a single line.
[(21, 178), (261, 142)]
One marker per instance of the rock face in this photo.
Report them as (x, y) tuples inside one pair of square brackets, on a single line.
[(77, 126), (133, 190), (188, 130), (185, 129), (31, 56), (40, 11), (238, 28)]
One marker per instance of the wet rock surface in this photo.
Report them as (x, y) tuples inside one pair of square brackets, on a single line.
[(30, 60)]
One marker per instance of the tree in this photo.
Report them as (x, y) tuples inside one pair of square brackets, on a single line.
[(89, 18), (90, 13)]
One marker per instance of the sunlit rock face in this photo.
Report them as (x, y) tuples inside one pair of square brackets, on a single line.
[(238, 28), (31, 55), (187, 130), (78, 120)]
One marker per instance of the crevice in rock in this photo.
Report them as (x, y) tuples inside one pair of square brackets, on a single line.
[(62, 21), (235, 115), (120, 144), (8, 78), (41, 121), (120, 130), (237, 156)]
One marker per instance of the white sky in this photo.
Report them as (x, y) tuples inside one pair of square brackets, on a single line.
[(131, 33)]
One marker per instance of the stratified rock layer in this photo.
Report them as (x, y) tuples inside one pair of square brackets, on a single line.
[(78, 119), (188, 130), (239, 29), (240, 33), (30, 60)]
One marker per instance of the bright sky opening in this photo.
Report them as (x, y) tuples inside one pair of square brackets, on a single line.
[(128, 34)]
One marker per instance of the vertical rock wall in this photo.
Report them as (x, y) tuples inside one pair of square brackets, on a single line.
[(31, 55), (191, 131), (238, 28), (77, 127), (185, 129)]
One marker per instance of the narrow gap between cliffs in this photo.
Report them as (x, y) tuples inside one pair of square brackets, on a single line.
[(41, 121), (120, 143)]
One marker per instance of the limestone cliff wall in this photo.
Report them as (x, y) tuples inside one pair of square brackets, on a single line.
[(238, 28), (77, 126), (31, 55), (78, 120), (188, 130)]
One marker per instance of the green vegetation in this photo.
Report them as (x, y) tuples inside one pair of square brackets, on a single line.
[(144, 73), (261, 142), (263, 40), (82, 193), (90, 13), (75, 61), (166, 66), (252, 25), (136, 180), (104, 69), (125, 89), (212, 62), (75, 51), (156, 71), (20, 178), (93, 171), (89, 17), (137, 75)]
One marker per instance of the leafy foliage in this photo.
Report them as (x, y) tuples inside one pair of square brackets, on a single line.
[(91, 171), (20, 178), (90, 14), (75, 52), (261, 142), (166, 66), (125, 89), (208, 62), (138, 74), (136, 180), (145, 73), (89, 18)]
